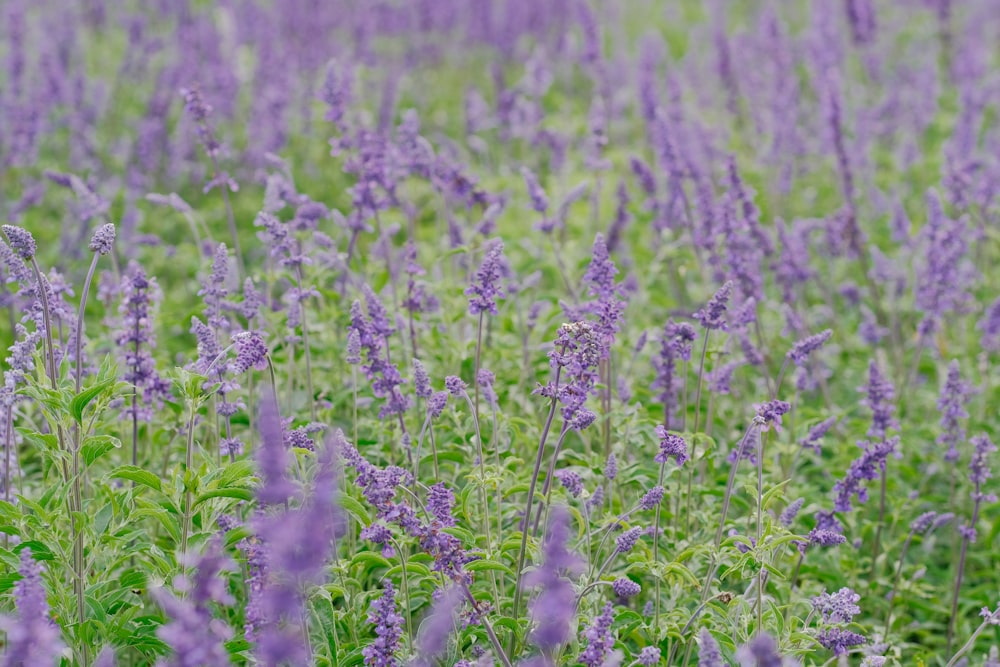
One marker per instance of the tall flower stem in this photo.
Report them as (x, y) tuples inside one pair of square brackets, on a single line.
[(656, 543), (960, 572), (188, 463), (895, 584), (547, 485), (881, 522), (531, 496), (305, 346), (760, 529), (483, 497), (475, 369), (697, 415), (500, 654)]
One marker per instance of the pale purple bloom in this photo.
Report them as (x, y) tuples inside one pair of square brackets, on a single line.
[(671, 445), (421, 380), (251, 352), (625, 587), (627, 540), (712, 315), (867, 467), (103, 239), (436, 403), (554, 609), (954, 396), (816, 434), (21, 240), (539, 200), (839, 640), (651, 498), (879, 396), (195, 636), (761, 651), (32, 637), (649, 656), (486, 288), (788, 515), (570, 481), (388, 630), (708, 651), (839, 607), (599, 638), (801, 350), (432, 640), (455, 386), (611, 467)]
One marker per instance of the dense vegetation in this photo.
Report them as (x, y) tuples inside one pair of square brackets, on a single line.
[(517, 332)]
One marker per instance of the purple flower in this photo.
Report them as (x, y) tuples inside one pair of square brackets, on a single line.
[(789, 513), (436, 403), (421, 381), (388, 630), (485, 288), (32, 637), (712, 315), (599, 638), (954, 396), (432, 641), (771, 412), (990, 326), (671, 444), (379, 534), (455, 386), (944, 277), (135, 339), (708, 651), (103, 239), (554, 610), (879, 395), (839, 607), (649, 656), (761, 651), (571, 482), (440, 501), (21, 241), (251, 352), (611, 467), (802, 349), (539, 200), (627, 540), (625, 587), (485, 379), (354, 347), (979, 469), (651, 498), (194, 635), (839, 640), (865, 468), (816, 434)]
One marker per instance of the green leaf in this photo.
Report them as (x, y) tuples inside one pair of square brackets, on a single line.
[(97, 446), (81, 400), (38, 550), (230, 492), (137, 475), (488, 565), (235, 472)]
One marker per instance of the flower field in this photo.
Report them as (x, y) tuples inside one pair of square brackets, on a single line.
[(499, 332)]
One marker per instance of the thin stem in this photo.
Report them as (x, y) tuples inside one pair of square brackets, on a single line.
[(188, 462), (895, 584), (547, 485), (961, 571), (50, 346), (701, 372), (878, 529), (305, 346), (483, 497), (972, 640), (531, 496), (79, 321), (760, 529), (656, 544), (488, 626), (475, 368)]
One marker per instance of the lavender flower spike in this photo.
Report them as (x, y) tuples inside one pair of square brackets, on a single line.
[(802, 349), (103, 239), (432, 641), (711, 316), (32, 637), (485, 288), (21, 241), (388, 630)]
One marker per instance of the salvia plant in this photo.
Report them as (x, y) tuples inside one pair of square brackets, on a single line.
[(527, 333)]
